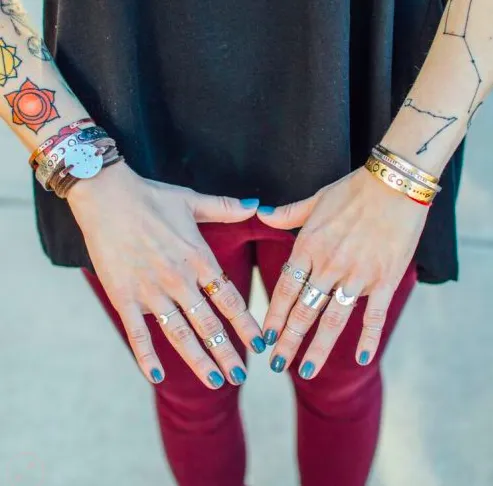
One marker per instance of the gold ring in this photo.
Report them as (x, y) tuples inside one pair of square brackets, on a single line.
[(213, 287)]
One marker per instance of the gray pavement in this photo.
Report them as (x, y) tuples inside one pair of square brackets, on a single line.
[(75, 411)]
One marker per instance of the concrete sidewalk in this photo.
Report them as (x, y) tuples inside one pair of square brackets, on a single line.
[(75, 411)]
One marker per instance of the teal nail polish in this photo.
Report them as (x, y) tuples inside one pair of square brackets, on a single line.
[(364, 357), (278, 363), (238, 375), (216, 379), (156, 375), (267, 210), (249, 203), (270, 336), (307, 370), (258, 344)]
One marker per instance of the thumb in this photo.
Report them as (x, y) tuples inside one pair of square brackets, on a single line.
[(293, 215), (221, 209)]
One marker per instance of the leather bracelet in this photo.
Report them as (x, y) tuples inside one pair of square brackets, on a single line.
[(394, 179)]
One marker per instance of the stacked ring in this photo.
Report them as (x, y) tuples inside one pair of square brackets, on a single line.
[(213, 287)]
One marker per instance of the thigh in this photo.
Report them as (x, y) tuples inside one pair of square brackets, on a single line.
[(233, 252)]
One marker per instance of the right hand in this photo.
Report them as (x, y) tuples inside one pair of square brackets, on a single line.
[(150, 257)]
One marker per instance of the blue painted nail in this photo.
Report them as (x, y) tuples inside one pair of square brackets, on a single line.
[(364, 357), (216, 379), (307, 370), (249, 203), (267, 210), (156, 375), (278, 364), (258, 344), (270, 336), (238, 375)]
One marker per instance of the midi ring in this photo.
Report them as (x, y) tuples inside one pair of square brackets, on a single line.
[(194, 308), (343, 299), (299, 275), (164, 318), (313, 297), (215, 285), (373, 328), (295, 332), (239, 314), (216, 340)]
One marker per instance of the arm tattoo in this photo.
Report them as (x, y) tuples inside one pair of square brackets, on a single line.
[(32, 106), (456, 25), (18, 17), (9, 62), (445, 122)]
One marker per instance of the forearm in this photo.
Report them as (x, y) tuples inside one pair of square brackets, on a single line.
[(454, 81), (35, 101)]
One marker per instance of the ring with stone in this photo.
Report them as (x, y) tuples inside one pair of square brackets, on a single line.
[(194, 308), (299, 275), (216, 340), (164, 318), (215, 285), (343, 299)]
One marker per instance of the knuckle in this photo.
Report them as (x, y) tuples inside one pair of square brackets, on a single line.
[(225, 353), (145, 356), (181, 334), (318, 350), (290, 342), (209, 324), (138, 335), (233, 301), (374, 317), (332, 319), (201, 364), (225, 203), (303, 313), (288, 288)]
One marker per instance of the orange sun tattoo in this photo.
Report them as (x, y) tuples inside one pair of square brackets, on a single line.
[(32, 106)]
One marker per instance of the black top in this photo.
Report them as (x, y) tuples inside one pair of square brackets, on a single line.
[(261, 98)]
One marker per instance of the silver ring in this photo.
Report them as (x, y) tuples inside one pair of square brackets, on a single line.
[(164, 318), (194, 308), (238, 315), (216, 340), (295, 332), (373, 328), (299, 275), (343, 299), (313, 297)]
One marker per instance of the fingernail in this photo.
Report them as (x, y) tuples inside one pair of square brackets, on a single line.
[(216, 379), (238, 375), (270, 336), (307, 370), (156, 375), (278, 364), (267, 210), (250, 203), (258, 344), (364, 357)]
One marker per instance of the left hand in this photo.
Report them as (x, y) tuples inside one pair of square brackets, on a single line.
[(357, 234)]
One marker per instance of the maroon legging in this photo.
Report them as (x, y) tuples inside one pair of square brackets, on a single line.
[(338, 412)]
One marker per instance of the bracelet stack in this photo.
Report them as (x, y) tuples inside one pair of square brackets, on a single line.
[(79, 151), (402, 176)]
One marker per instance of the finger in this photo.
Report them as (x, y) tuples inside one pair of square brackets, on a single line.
[(293, 215), (183, 339), (332, 323), (208, 326), (220, 209), (373, 323), (229, 302), (141, 343)]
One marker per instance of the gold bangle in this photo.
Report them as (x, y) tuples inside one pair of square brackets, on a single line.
[(404, 166), (397, 181)]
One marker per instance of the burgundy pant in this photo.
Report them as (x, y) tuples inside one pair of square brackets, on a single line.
[(338, 412)]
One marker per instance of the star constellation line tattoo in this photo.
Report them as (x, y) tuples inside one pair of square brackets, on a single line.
[(447, 121), (18, 18), (456, 25)]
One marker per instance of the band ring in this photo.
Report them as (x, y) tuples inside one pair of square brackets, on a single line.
[(239, 314), (299, 275), (215, 285), (313, 297), (373, 328), (295, 332), (194, 308), (216, 340), (164, 318), (343, 299)]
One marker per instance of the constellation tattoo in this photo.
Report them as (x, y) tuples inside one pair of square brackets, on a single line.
[(445, 120), (18, 17), (456, 25)]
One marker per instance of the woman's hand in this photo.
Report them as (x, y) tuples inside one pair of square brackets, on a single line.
[(357, 234), (143, 240)]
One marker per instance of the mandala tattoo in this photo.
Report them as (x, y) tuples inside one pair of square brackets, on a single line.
[(32, 106), (18, 16), (445, 122), (456, 25), (9, 62)]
